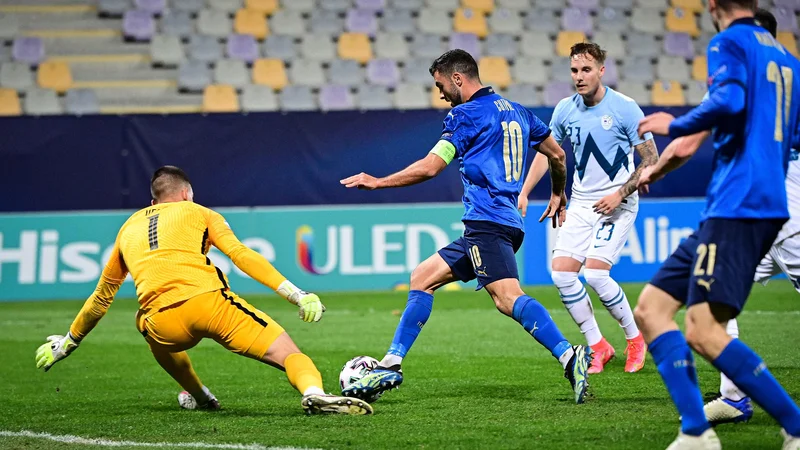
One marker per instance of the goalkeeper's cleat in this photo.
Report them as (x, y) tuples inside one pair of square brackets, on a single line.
[(333, 404), (723, 410), (186, 401), (577, 371), (790, 442), (636, 351), (372, 385), (602, 353), (706, 441)]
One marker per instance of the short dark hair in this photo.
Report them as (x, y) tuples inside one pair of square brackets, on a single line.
[(728, 5), (588, 48), (454, 61), (166, 180), (767, 21)]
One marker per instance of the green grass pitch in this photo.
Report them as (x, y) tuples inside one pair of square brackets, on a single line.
[(474, 379)]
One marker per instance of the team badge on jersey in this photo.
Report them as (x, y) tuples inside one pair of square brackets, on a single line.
[(606, 121)]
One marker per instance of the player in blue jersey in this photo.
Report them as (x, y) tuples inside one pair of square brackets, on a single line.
[(753, 112), (490, 136), (602, 125)]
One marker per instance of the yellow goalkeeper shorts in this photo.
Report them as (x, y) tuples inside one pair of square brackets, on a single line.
[(219, 315)]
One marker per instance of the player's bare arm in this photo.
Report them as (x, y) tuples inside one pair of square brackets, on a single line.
[(557, 161), (535, 174), (649, 156), (424, 169), (675, 155)]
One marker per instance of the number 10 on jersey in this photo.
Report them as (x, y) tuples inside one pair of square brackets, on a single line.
[(512, 150)]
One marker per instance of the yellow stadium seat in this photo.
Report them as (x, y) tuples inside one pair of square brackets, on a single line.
[(355, 46), (667, 93), (9, 103), (55, 75), (695, 6), (270, 72), (263, 6), (786, 38), (471, 21), (220, 98), (494, 70), (566, 39), (700, 68), (485, 6), (436, 100), (252, 22), (683, 21)]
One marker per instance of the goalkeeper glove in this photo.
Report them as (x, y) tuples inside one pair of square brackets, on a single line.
[(56, 349), (311, 308)]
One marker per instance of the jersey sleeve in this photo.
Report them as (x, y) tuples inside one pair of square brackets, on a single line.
[(458, 129), (727, 63), (539, 130), (251, 262), (630, 115), (556, 123)]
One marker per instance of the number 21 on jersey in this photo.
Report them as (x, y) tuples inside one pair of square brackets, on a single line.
[(512, 150)]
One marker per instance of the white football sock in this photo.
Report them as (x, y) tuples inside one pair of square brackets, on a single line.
[(314, 390), (613, 298), (391, 360), (726, 386), (565, 357), (576, 300)]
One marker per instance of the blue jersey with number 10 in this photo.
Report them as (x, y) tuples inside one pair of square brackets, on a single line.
[(492, 136)]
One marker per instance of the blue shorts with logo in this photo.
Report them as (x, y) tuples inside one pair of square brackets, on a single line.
[(716, 264), (485, 251)]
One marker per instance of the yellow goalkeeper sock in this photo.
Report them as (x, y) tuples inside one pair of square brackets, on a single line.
[(303, 374)]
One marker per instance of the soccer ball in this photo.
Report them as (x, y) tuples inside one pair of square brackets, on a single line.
[(356, 369)]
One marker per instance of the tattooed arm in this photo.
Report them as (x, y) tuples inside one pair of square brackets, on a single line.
[(649, 154)]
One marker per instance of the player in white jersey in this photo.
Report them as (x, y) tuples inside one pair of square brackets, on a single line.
[(602, 126)]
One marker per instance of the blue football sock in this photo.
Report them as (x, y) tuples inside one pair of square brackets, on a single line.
[(418, 310), (675, 363), (537, 321), (750, 374)]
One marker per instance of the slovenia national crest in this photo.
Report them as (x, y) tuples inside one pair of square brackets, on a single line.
[(606, 121)]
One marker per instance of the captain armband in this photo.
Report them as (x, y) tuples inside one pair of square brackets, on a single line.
[(445, 150)]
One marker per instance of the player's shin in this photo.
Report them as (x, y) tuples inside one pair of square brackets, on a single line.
[(576, 301), (179, 367), (418, 310), (303, 374), (726, 386), (537, 321), (613, 298), (749, 372)]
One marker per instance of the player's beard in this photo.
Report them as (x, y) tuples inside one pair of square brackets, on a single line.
[(454, 96)]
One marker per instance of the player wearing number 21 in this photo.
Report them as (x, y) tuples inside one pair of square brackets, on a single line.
[(490, 136), (753, 112)]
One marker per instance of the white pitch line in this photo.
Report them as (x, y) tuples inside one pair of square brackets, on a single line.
[(69, 439)]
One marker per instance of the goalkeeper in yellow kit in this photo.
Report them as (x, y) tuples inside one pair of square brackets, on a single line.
[(184, 298)]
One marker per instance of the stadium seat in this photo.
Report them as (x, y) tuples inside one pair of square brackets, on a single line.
[(227, 6), (154, 7), (138, 25), (678, 44), (695, 6), (700, 68), (639, 68), (470, 21), (434, 21), (643, 44), (611, 42), (361, 21), (436, 101), (280, 46), (550, 4), (494, 70), (112, 8), (288, 23), (667, 94), (787, 39), (204, 48), (304, 72), (323, 21), (371, 97), (524, 94), (39, 102), (485, 6), (416, 71), (537, 44), (398, 21), (337, 6), (270, 72), (499, 44), (299, 5), (647, 20), (514, 5), (555, 91), (621, 4), (188, 6), (319, 47), (786, 18), (410, 5), (682, 21), (391, 45), (9, 102), (530, 70), (220, 98), (410, 96), (449, 5), (561, 70), (468, 42), (177, 23), (166, 51), (650, 3), (242, 47), (81, 101), (257, 98), (231, 72), (611, 77), (297, 98), (55, 75), (542, 20), (346, 72), (264, 7), (575, 19), (383, 72), (9, 27), (504, 20), (586, 5), (16, 75), (335, 97), (697, 90), (566, 39), (29, 50), (673, 68), (610, 19), (355, 46), (193, 76), (701, 43), (214, 23), (427, 46), (635, 90), (707, 25), (5, 54), (250, 22), (372, 5)]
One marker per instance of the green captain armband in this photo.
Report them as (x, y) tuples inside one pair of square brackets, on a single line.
[(445, 150)]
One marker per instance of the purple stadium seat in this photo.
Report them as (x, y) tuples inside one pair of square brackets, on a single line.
[(585, 4), (243, 47), (679, 44), (611, 77), (575, 19), (555, 91), (786, 19), (362, 21), (383, 72), (333, 97), (28, 50), (372, 5), (788, 4), (466, 41), (151, 6), (138, 25)]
